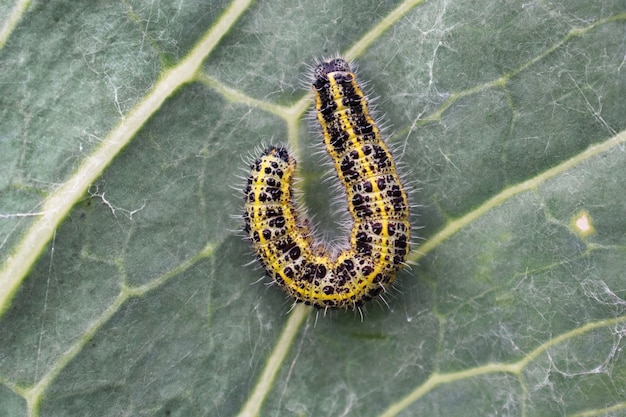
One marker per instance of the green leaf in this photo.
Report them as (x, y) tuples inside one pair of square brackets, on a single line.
[(124, 288)]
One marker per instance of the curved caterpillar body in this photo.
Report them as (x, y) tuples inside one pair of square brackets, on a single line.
[(377, 201)]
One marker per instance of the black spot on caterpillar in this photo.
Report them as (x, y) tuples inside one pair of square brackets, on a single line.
[(377, 201)]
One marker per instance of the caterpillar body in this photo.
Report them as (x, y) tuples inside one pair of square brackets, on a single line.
[(377, 201)]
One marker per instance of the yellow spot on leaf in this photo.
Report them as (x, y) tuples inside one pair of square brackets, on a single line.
[(582, 223)]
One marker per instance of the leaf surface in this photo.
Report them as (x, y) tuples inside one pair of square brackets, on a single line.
[(124, 288)]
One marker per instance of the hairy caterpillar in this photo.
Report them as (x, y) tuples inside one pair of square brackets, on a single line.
[(377, 201)]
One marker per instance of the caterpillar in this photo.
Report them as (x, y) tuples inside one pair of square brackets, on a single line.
[(380, 234)]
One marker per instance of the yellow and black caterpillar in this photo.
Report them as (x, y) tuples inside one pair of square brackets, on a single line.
[(377, 201)]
